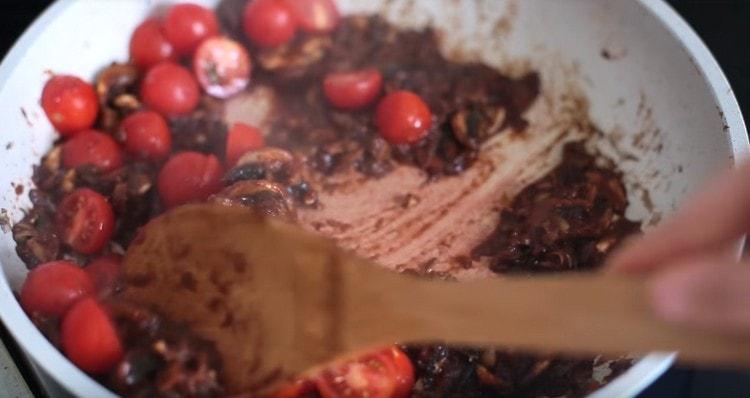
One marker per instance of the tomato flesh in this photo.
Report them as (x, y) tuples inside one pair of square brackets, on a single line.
[(147, 135), (315, 16), (403, 118), (240, 140), (189, 177), (149, 45), (51, 288), (170, 89), (92, 147), (85, 221), (222, 66), (104, 272), (186, 25), (352, 90), (71, 104), (89, 338), (269, 23)]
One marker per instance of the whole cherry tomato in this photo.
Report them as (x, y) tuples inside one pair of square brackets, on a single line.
[(186, 25), (147, 135), (170, 89), (85, 220), (403, 117), (189, 177), (70, 103), (149, 45), (92, 147), (240, 140), (51, 288), (105, 272), (352, 90), (222, 66), (89, 338), (269, 23), (315, 16)]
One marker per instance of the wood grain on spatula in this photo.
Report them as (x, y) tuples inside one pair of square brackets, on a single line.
[(277, 301)]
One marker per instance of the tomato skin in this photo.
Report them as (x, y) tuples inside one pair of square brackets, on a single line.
[(189, 177), (269, 23), (149, 45), (170, 89), (51, 288), (186, 25), (240, 140), (70, 103), (352, 90), (403, 117), (89, 338), (222, 66), (147, 135), (104, 272), (85, 220), (386, 373), (314, 16), (94, 148)]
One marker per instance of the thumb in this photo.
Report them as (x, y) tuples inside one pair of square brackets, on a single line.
[(704, 294)]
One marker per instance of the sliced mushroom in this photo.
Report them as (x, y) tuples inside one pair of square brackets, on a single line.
[(117, 86), (265, 197), (263, 164), (293, 60)]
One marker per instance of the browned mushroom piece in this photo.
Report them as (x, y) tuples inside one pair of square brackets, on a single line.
[(294, 59), (117, 87), (268, 163), (262, 196)]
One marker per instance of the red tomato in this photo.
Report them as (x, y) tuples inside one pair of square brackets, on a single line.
[(92, 147), (403, 117), (298, 389), (85, 220), (315, 16), (170, 89), (70, 103), (89, 338), (51, 288), (222, 66), (240, 140), (147, 135), (269, 23), (352, 90), (386, 373), (149, 46), (104, 271), (186, 25), (189, 177)]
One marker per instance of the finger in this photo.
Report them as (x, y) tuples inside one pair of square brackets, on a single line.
[(704, 295), (707, 223)]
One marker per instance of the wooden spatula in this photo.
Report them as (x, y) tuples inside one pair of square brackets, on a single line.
[(277, 301)]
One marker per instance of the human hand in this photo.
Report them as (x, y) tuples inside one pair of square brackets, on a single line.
[(694, 278)]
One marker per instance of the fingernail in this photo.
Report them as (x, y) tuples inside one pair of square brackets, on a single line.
[(672, 296)]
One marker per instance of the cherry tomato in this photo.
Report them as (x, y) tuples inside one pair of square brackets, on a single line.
[(352, 90), (222, 66), (387, 373), (89, 337), (315, 16), (85, 220), (51, 288), (298, 389), (170, 89), (94, 148), (403, 117), (269, 23), (186, 25), (189, 177), (149, 46), (240, 140), (104, 271), (147, 135), (70, 103)]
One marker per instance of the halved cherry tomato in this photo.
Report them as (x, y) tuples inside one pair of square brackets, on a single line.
[(240, 140), (51, 288), (85, 220), (147, 135), (149, 45), (70, 103), (104, 271), (352, 90), (89, 338), (170, 89), (387, 373), (186, 25), (94, 148), (189, 177), (222, 66), (403, 117), (315, 16), (269, 23)]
